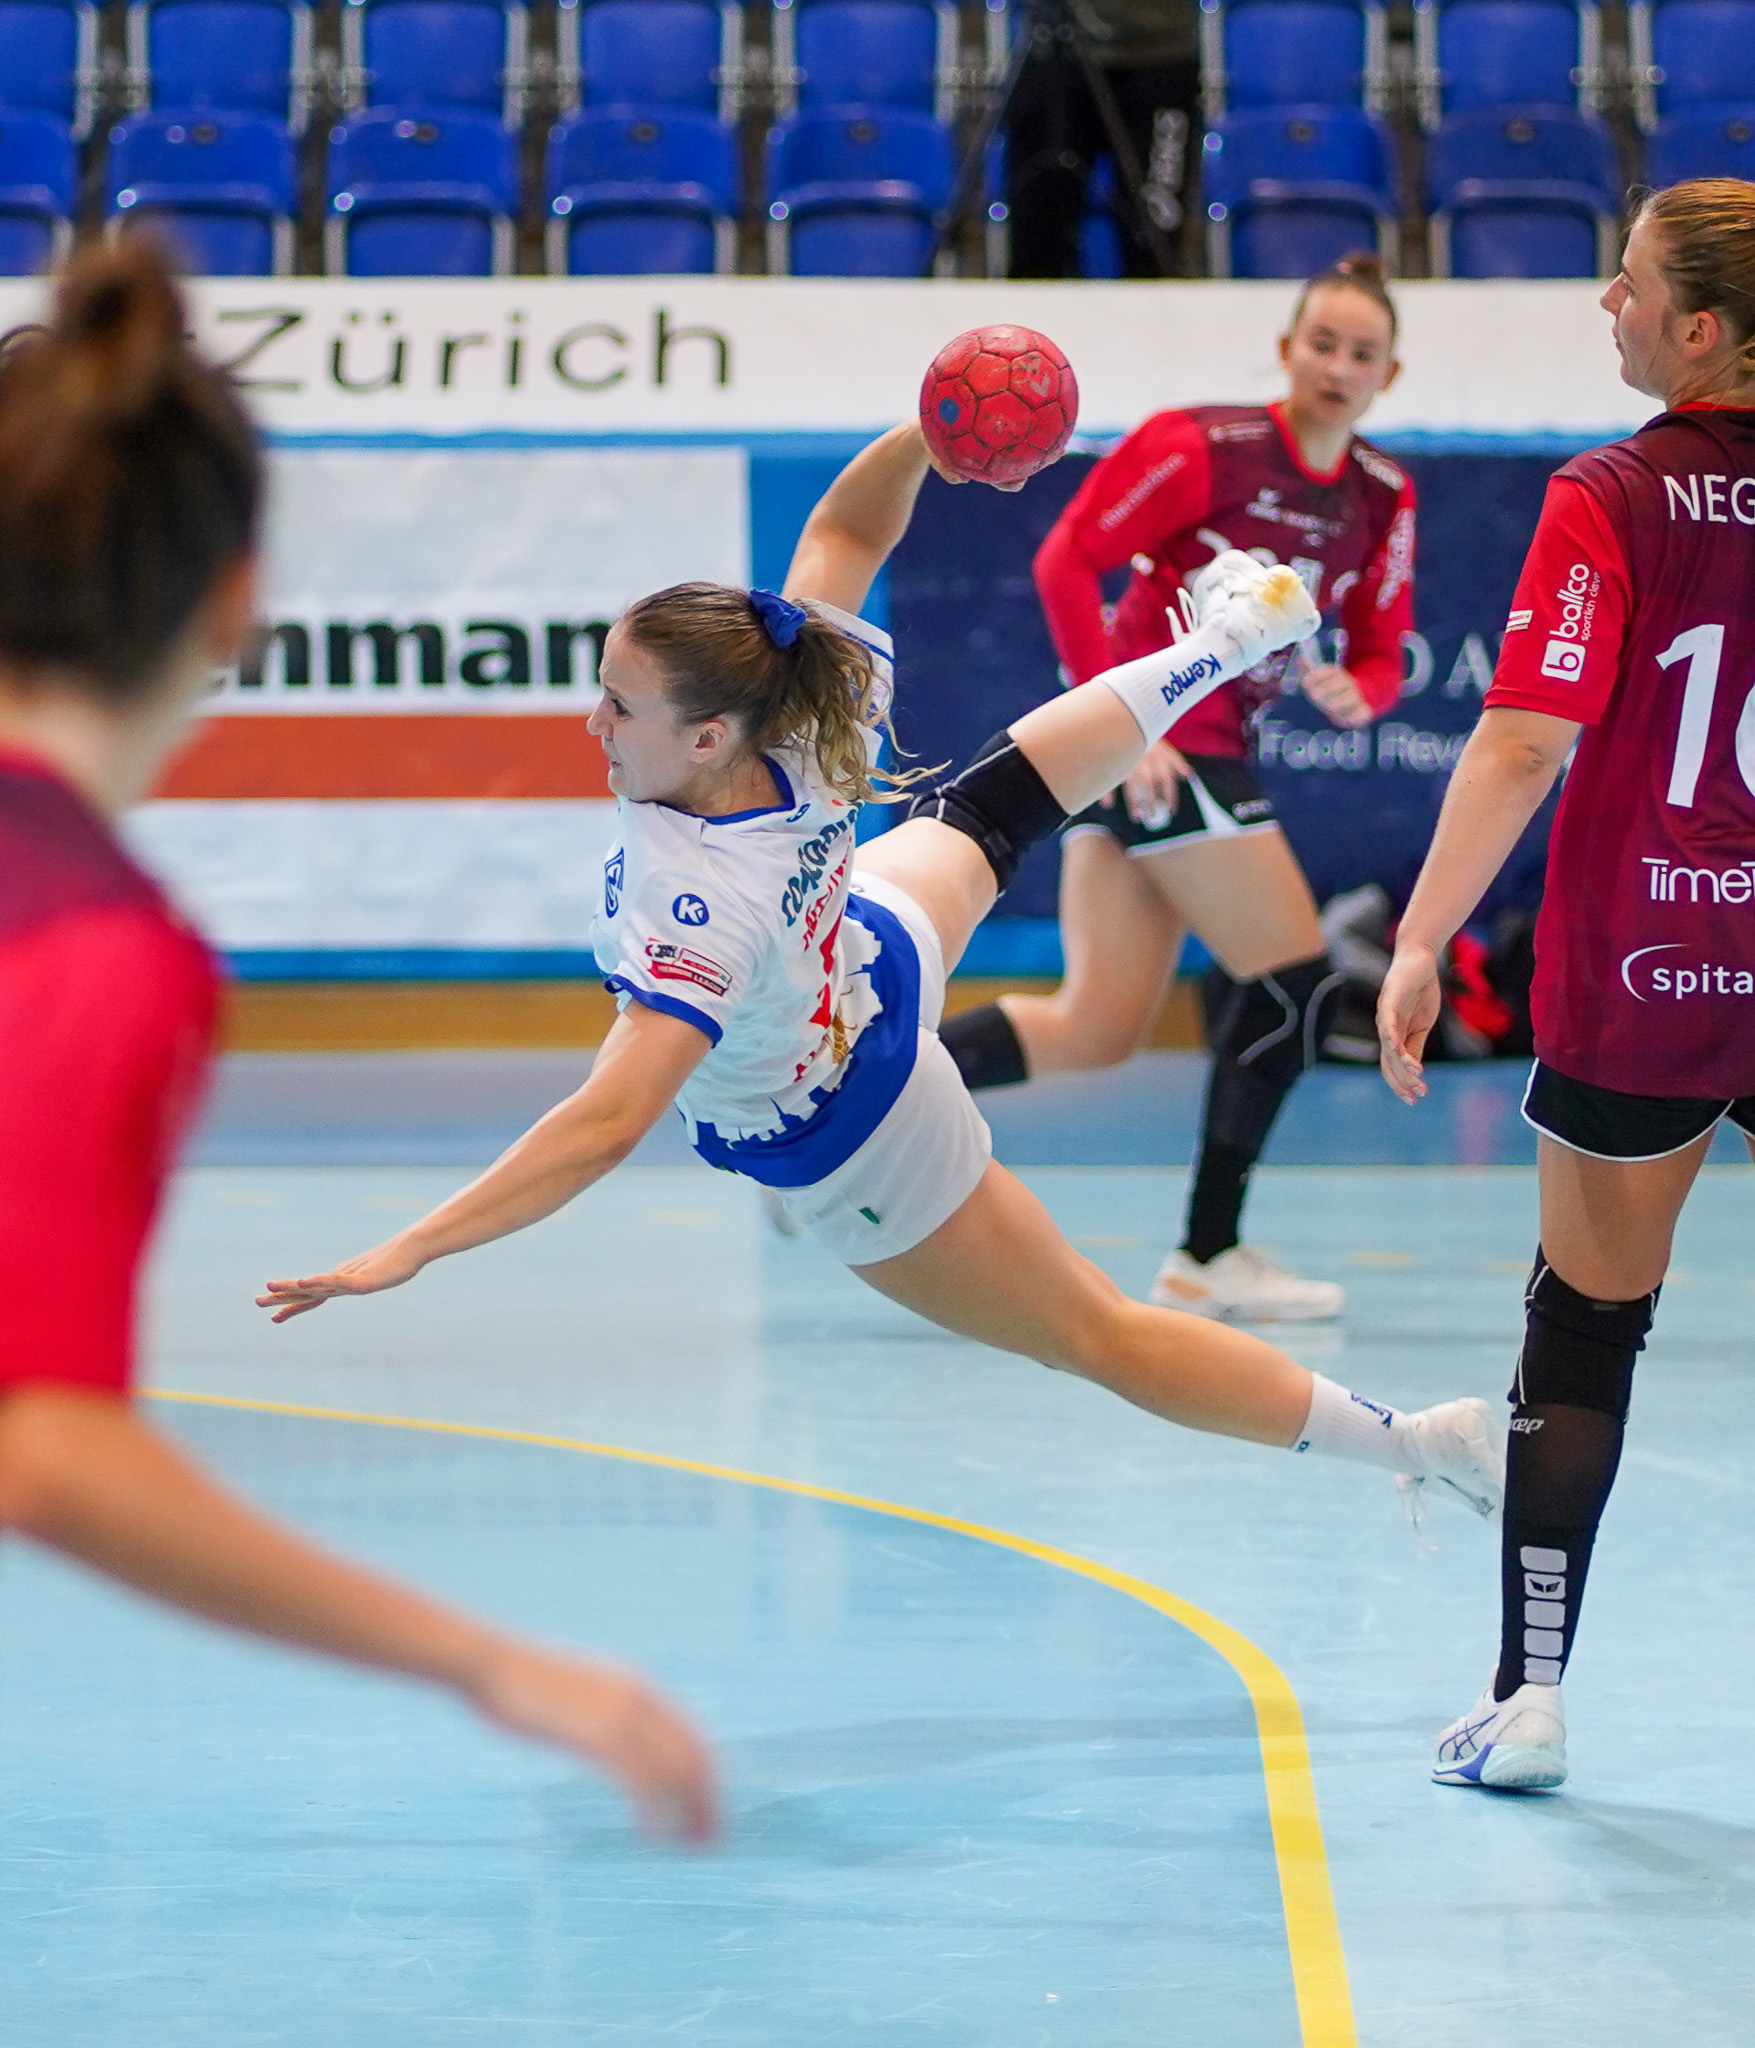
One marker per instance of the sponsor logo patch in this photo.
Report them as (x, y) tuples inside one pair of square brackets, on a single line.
[(1563, 658), (614, 873), (1648, 979), (690, 910), (668, 961)]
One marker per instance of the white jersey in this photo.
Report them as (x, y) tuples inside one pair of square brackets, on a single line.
[(744, 926)]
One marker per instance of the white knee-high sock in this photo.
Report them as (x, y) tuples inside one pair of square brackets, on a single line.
[(1345, 1425), (1258, 616), (1160, 688)]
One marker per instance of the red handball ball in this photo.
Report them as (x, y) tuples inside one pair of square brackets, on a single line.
[(998, 404)]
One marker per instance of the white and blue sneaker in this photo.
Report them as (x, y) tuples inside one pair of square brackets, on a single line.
[(1463, 1451), (1510, 1745)]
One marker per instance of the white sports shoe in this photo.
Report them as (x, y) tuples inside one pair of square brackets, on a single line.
[(1464, 1452), (1263, 609), (1512, 1745), (1244, 1286)]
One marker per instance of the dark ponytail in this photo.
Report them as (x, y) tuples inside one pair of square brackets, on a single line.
[(719, 661), (130, 476), (1359, 272)]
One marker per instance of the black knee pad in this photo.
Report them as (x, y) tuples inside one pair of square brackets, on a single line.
[(1000, 802), (1578, 1352), (1273, 1026)]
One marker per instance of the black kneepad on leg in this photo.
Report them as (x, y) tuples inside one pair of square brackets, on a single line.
[(1577, 1352), (1000, 802), (1273, 1026)]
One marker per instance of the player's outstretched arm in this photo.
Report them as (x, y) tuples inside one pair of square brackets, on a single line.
[(641, 1064), (854, 526), (1507, 768), (83, 1474)]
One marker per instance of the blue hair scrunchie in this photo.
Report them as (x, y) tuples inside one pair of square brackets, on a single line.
[(782, 620)]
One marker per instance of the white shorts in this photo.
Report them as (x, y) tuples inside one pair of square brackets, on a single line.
[(925, 1159)]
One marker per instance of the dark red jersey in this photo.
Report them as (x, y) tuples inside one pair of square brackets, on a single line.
[(1635, 615), (1187, 485), (106, 1020)]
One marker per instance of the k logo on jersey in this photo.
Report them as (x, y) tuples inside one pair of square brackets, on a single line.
[(689, 910)]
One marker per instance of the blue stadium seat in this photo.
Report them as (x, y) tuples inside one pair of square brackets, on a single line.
[(1522, 192), (884, 53), (637, 191), (49, 60), (1703, 142), (856, 192), (39, 191), (673, 53), (245, 56), (1281, 53), (1499, 53), (420, 195), (466, 56), (1689, 53), (1290, 189), (221, 186)]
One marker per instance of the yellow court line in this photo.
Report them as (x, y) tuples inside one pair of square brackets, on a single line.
[(1313, 1932)]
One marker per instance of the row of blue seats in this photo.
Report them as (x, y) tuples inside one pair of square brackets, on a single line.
[(473, 55), (256, 55), (1475, 53), (851, 192)]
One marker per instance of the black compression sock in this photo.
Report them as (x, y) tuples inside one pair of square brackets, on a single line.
[(1264, 1034), (1569, 1415), (1560, 1465), (1215, 1200), (985, 1046)]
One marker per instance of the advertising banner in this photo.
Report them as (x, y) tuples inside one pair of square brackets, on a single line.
[(737, 356), (403, 765)]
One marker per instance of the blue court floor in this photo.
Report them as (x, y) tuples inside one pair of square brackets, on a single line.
[(988, 1794)]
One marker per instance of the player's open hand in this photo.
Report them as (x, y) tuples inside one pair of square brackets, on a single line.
[(389, 1266), (1152, 789), (616, 1720), (1335, 694), (953, 476), (1407, 1009)]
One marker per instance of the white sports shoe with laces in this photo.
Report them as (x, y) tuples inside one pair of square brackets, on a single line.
[(1262, 608), (1245, 1286), (1464, 1453), (1510, 1745)]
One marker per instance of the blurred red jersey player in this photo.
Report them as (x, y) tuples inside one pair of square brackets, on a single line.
[(130, 495)]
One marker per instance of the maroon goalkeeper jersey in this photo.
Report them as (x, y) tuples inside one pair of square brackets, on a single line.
[(1187, 485), (106, 1018), (1635, 615)]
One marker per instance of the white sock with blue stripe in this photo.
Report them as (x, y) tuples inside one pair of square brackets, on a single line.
[(1345, 1425)]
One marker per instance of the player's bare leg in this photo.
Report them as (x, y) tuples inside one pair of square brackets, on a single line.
[(1245, 899), (1121, 938), (1001, 1272), (1607, 1224)]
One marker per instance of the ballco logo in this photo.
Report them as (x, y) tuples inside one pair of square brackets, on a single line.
[(1563, 657)]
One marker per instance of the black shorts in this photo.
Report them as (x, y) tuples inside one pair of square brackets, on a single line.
[(1602, 1123), (1220, 799)]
